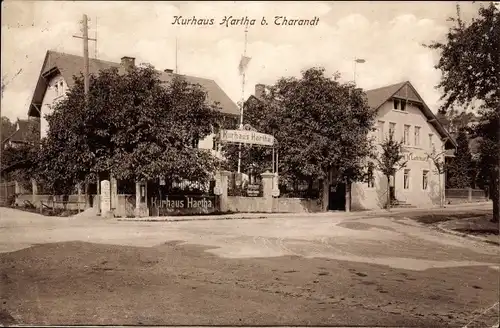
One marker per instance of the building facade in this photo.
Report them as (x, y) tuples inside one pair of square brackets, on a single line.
[(56, 77), (402, 111)]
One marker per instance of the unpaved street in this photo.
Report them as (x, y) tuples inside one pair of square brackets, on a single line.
[(330, 269)]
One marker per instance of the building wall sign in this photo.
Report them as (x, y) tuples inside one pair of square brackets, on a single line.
[(415, 157), (183, 205), (253, 190), (248, 137)]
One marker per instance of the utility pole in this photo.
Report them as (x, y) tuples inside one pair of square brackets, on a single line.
[(176, 51), (85, 37), (95, 35), (86, 73), (242, 95)]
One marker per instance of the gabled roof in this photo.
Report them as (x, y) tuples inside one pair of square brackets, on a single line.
[(377, 97), (22, 133), (70, 65)]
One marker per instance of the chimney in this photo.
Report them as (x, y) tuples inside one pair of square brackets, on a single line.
[(169, 70), (128, 63), (260, 91)]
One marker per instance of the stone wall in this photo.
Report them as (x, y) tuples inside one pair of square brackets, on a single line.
[(246, 204), (296, 205)]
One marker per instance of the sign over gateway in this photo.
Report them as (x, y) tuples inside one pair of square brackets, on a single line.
[(247, 137)]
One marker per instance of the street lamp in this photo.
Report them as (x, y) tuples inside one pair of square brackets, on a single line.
[(357, 61)]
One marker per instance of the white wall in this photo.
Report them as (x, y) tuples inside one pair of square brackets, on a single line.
[(49, 100), (369, 198)]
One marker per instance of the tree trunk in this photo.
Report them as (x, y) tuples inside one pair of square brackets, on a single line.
[(348, 196), (325, 194), (310, 187), (441, 202), (87, 196), (388, 193), (495, 193)]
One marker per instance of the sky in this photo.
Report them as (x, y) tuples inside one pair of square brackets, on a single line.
[(388, 35)]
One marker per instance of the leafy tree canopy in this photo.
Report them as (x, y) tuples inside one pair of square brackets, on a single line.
[(319, 123), (470, 65), (135, 127), (461, 169)]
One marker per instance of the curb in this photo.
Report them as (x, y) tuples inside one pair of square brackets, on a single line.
[(191, 219), (465, 235), (253, 216)]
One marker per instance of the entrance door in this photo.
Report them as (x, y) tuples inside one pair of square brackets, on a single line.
[(392, 190), (336, 199)]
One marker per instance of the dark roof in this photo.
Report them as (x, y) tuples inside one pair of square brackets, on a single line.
[(71, 65), (377, 97), (24, 128)]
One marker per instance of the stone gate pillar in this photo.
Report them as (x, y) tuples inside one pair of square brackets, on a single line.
[(267, 190), (114, 193), (105, 199), (222, 184), (34, 189), (141, 204)]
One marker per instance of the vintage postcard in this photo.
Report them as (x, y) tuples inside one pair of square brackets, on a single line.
[(250, 163)]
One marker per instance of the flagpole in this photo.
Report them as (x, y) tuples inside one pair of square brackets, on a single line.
[(242, 97)]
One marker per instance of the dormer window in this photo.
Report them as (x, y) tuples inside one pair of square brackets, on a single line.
[(397, 103)]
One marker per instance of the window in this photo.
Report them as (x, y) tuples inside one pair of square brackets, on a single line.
[(431, 142), (195, 142), (406, 179), (392, 128), (61, 87), (381, 131), (396, 104), (406, 136), (370, 178), (403, 105), (417, 136), (57, 89), (425, 179)]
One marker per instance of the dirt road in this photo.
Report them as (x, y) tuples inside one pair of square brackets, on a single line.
[(326, 270)]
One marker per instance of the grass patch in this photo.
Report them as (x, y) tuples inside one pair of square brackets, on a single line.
[(436, 218), (478, 231)]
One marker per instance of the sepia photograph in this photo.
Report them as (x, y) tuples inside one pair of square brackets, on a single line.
[(250, 163)]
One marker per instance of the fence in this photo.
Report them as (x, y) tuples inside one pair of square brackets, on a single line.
[(468, 195), (52, 202), (7, 193), (300, 189)]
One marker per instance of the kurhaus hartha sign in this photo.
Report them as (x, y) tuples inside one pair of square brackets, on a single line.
[(248, 137), (180, 204)]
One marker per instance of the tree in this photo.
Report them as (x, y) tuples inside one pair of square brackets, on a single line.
[(441, 167), (134, 127), (470, 65), (390, 160), (320, 125), (454, 120), (7, 128), (461, 170)]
